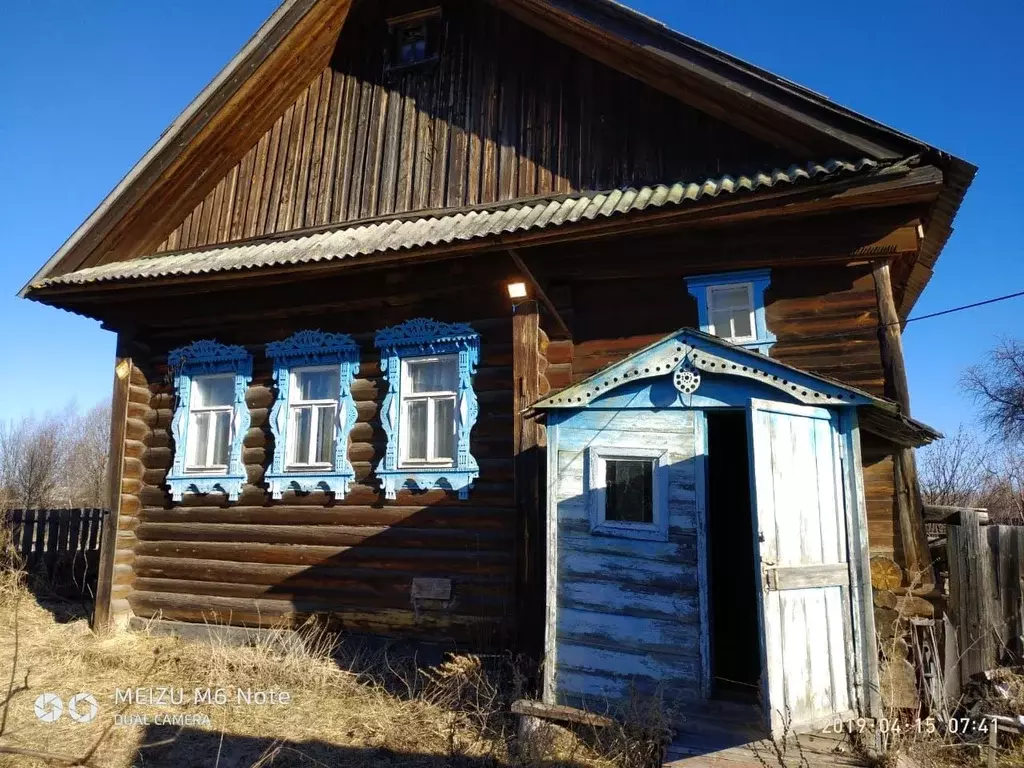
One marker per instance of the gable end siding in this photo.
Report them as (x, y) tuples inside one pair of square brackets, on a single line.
[(506, 113)]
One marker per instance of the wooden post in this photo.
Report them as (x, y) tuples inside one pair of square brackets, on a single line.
[(108, 543), (908, 489), (970, 590), (526, 439)]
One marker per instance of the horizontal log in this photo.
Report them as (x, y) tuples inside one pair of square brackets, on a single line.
[(259, 396), (136, 429), (158, 418), (374, 558), (263, 612), (330, 596), (161, 400), (132, 468), (483, 492), (135, 449), (158, 458), (559, 376), (137, 377), (180, 568), (333, 535), (468, 518), (559, 352), (130, 505), (139, 394)]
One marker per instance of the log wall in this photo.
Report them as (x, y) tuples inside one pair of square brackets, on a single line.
[(506, 113), (260, 561)]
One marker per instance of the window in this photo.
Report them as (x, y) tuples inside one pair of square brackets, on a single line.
[(414, 39), (627, 492), (210, 418), (629, 489), (313, 414), (430, 408), (211, 408), (429, 388), (731, 306)]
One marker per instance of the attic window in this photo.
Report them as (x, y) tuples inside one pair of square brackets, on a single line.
[(414, 39)]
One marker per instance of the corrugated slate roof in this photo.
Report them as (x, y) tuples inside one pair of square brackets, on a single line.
[(407, 233)]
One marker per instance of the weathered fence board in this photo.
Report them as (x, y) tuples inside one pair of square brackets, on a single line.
[(986, 593), (60, 545)]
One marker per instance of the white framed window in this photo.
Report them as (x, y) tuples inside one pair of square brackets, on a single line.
[(732, 306), (313, 417), (429, 426), (210, 423), (731, 311), (627, 492)]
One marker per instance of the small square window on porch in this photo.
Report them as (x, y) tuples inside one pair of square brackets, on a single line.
[(731, 306), (627, 492)]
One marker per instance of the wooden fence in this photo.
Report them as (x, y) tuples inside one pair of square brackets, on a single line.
[(986, 594), (61, 546)]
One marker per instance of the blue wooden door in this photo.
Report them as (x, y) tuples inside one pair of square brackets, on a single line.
[(799, 503)]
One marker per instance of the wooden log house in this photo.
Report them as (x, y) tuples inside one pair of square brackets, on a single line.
[(373, 292)]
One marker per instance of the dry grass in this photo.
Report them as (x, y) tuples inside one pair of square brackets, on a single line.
[(361, 712)]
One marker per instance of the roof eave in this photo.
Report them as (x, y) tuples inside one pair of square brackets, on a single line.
[(170, 144)]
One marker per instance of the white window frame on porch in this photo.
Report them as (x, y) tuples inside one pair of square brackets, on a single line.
[(596, 459)]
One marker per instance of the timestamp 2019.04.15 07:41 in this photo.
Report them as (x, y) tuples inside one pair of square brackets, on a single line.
[(926, 725)]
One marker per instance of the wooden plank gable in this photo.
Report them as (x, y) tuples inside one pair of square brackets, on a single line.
[(506, 113)]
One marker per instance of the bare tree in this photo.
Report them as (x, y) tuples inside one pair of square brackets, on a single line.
[(32, 456), (955, 471), (88, 457), (997, 385)]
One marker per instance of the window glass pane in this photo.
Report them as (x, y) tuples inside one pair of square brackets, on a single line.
[(316, 385), (211, 391), (629, 491), (301, 428), (325, 435), (198, 439), (416, 424), (444, 428), (222, 437), (741, 324), (440, 375), (730, 297)]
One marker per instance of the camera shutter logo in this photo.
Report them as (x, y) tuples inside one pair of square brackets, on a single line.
[(83, 708), (49, 707)]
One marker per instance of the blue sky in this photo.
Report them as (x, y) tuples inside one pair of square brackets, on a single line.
[(87, 88)]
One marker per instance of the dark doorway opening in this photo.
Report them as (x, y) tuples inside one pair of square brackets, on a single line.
[(735, 633)]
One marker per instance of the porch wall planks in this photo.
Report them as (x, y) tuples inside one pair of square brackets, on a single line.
[(484, 125), (626, 609)]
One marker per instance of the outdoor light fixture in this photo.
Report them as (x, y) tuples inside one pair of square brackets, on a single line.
[(517, 290)]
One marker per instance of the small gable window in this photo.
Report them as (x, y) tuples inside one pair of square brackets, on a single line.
[(731, 306), (430, 408), (313, 414), (627, 492), (210, 419), (414, 39)]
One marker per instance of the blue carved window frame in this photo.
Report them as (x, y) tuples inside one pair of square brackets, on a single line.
[(418, 338), (758, 281), (309, 349), (204, 358)]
